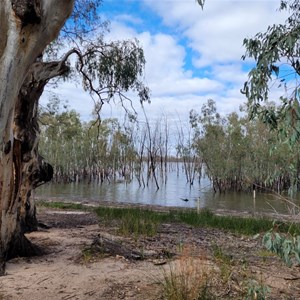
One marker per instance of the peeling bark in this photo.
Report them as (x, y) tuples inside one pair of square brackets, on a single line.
[(22, 41), (33, 170), (28, 11)]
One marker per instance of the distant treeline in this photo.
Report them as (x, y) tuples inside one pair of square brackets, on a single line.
[(234, 152)]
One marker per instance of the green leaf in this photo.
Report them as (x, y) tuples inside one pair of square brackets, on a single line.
[(275, 69)]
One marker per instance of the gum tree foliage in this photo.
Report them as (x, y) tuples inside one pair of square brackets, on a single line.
[(277, 56), (85, 151), (34, 34), (238, 153), (201, 3), (287, 247), (107, 69), (276, 52)]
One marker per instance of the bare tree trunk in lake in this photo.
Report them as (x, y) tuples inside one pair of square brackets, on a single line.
[(166, 145), (139, 170), (152, 152)]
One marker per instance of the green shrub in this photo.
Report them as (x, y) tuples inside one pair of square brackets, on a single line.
[(286, 246)]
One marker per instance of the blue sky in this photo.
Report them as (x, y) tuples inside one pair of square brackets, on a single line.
[(192, 54)]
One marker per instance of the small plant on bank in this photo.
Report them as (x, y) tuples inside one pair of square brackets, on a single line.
[(132, 221), (137, 226), (224, 262), (63, 205), (286, 246), (231, 270), (150, 221), (187, 279), (87, 255), (247, 226), (220, 255), (257, 291)]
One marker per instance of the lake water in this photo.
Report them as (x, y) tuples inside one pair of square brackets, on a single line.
[(169, 194)]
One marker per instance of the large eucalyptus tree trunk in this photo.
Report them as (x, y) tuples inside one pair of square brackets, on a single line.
[(26, 28), (34, 171)]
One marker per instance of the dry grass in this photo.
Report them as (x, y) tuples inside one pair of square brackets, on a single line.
[(187, 278), (196, 277)]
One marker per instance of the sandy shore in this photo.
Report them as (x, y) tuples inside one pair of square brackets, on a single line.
[(68, 272)]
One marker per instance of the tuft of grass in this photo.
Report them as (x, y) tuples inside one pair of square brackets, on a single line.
[(87, 255), (219, 254), (264, 254), (138, 225), (136, 220), (257, 290), (246, 226), (92, 254), (187, 279), (133, 221), (224, 261), (63, 205)]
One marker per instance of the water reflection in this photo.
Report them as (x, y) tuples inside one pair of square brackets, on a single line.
[(169, 194)]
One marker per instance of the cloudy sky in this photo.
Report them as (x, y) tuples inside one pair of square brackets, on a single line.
[(192, 54)]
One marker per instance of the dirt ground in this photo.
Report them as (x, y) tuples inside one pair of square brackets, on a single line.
[(70, 271)]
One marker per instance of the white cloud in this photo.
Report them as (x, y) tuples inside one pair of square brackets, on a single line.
[(229, 73), (185, 86), (165, 58), (75, 97), (165, 71), (215, 36), (217, 32)]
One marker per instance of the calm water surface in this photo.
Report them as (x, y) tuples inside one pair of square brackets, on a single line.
[(169, 194)]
